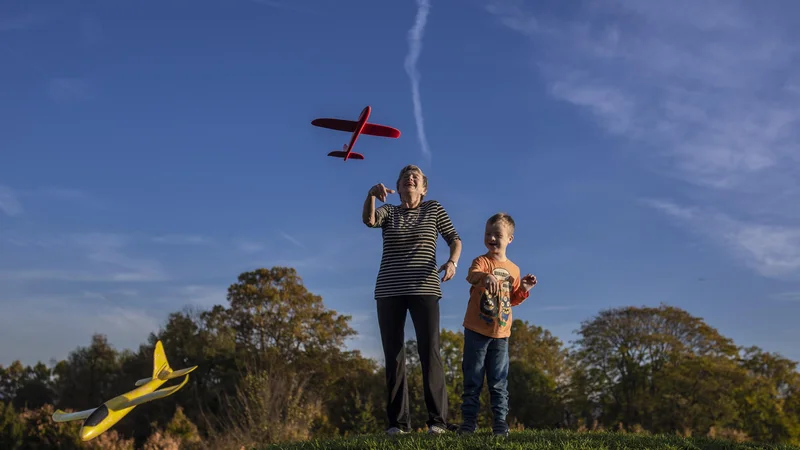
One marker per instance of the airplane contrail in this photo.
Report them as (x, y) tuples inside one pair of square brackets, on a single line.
[(414, 49)]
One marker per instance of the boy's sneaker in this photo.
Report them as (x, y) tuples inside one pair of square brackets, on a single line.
[(464, 431), (437, 429), (394, 430), (500, 428), (466, 428)]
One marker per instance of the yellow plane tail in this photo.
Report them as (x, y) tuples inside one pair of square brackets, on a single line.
[(161, 369), (160, 363)]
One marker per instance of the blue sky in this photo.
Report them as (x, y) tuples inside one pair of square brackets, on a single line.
[(153, 151)]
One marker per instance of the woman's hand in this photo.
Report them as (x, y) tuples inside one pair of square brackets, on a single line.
[(449, 269), (380, 191)]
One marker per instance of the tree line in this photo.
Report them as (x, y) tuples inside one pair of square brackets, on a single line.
[(272, 367)]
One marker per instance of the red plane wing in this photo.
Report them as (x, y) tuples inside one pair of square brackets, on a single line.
[(336, 124), (373, 129), (349, 126)]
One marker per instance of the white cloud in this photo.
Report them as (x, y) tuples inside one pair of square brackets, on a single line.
[(771, 250), (93, 257), (9, 204), (41, 329), (248, 246), (69, 89), (414, 49), (273, 3), (709, 90), (182, 239), (91, 31), (21, 22), (323, 255), (549, 308), (126, 292), (349, 292), (123, 257), (788, 296), (11, 199), (107, 249), (87, 275), (293, 240), (111, 283), (566, 332), (289, 5), (67, 195), (204, 296)]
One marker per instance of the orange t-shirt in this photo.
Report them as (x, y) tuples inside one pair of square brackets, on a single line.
[(491, 315)]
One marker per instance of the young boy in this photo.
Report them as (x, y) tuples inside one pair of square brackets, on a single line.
[(496, 287)]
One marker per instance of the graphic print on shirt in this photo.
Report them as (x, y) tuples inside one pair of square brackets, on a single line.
[(497, 307)]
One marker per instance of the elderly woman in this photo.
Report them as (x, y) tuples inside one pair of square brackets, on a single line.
[(408, 281)]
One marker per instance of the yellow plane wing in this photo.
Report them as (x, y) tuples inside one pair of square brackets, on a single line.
[(61, 416), (161, 393), (166, 374), (180, 372)]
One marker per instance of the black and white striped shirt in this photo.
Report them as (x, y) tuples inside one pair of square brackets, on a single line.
[(408, 264)]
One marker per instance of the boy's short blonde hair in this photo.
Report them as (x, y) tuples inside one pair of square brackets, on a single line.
[(504, 218)]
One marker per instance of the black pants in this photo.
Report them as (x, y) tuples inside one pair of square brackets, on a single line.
[(392, 320)]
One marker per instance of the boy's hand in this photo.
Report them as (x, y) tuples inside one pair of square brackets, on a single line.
[(528, 282), (491, 284)]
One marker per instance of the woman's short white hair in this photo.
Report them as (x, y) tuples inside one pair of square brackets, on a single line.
[(411, 168)]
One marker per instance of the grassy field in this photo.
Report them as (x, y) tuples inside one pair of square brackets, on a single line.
[(529, 440)]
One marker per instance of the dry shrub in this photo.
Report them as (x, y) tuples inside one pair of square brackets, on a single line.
[(634, 429), (728, 434), (580, 426), (268, 408), (515, 425), (162, 441), (181, 428), (41, 432), (597, 426), (110, 440), (179, 434)]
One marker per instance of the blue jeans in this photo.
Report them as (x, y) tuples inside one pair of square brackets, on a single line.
[(484, 356)]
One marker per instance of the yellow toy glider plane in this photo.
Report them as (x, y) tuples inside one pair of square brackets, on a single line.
[(98, 420)]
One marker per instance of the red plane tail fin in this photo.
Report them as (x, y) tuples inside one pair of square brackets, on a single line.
[(341, 154)]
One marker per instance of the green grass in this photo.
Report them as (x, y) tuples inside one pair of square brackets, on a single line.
[(529, 440)]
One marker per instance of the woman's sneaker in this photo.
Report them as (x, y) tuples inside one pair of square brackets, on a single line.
[(437, 429), (394, 430)]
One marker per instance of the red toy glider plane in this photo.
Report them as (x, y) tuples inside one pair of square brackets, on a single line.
[(357, 128)]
